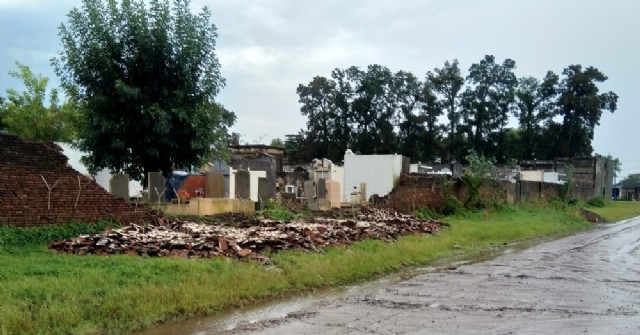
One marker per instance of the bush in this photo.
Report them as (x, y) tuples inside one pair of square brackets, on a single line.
[(276, 211), (575, 202), (597, 202), (426, 214), (453, 206)]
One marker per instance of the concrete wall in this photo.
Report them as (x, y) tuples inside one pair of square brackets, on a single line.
[(532, 175), (380, 172), (524, 191), (210, 206)]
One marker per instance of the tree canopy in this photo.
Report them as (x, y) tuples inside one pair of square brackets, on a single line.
[(146, 75), (34, 113), (447, 115)]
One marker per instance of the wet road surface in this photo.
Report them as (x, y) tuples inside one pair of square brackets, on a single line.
[(584, 284)]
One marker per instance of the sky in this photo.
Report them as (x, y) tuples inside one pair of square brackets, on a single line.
[(268, 47)]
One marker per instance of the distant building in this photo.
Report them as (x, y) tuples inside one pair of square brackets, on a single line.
[(591, 176), (261, 161)]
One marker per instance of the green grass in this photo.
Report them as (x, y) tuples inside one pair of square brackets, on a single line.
[(46, 293), (16, 237), (617, 210)]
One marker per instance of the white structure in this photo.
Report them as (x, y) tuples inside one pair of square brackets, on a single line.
[(541, 176), (253, 184), (381, 173), (102, 177), (254, 175)]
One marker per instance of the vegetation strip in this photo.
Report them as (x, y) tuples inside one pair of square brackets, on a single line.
[(44, 292)]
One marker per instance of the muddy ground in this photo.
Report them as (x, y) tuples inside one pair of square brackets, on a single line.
[(584, 284)]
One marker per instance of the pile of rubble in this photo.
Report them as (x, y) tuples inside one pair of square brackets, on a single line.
[(185, 238)]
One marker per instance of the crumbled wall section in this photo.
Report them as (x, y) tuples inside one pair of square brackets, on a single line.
[(24, 196), (417, 191)]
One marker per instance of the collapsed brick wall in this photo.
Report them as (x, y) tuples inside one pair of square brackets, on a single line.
[(24, 196), (417, 191)]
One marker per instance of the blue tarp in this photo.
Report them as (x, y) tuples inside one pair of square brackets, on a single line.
[(173, 184)]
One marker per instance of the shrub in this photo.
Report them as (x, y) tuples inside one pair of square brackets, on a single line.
[(426, 214), (596, 202), (575, 202), (276, 211), (453, 206)]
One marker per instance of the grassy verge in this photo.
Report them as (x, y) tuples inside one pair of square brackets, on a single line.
[(617, 210), (42, 292)]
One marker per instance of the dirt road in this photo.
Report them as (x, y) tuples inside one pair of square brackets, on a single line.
[(584, 284)]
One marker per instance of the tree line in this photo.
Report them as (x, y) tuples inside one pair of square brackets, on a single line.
[(447, 114)]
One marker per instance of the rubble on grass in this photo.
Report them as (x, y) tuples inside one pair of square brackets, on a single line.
[(244, 237)]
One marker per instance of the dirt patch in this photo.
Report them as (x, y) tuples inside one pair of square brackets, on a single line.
[(591, 216)]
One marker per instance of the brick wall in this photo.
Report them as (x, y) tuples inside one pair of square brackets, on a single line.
[(24, 195), (417, 191)]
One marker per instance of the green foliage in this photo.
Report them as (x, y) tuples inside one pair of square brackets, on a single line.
[(598, 201), (580, 105), (291, 144), (25, 114), (277, 142), (276, 211), (146, 75), (369, 110), (568, 183), (534, 105), (426, 214), (453, 207), (612, 162), (447, 82), (574, 202), (632, 178), (12, 237), (487, 103), (374, 110), (485, 192)]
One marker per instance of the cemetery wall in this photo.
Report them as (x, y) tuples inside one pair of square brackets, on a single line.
[(38, 187)]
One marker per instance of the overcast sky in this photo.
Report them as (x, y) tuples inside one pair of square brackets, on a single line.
[(268, 47)]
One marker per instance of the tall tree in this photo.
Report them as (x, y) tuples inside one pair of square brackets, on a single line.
[(405, 98), (147, 75), (343, 122), (487, 104), (318, 105), (534, 105), (447, 82), (25, 113), (580, 105), (374, 132), (431, 111)]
